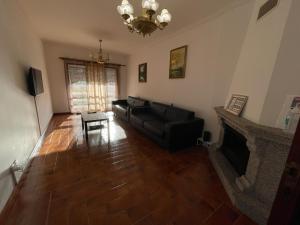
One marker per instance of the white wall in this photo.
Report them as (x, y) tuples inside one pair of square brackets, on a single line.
[(213, 50), (258, 57), (20, 49), (286, 76), (55, 68)]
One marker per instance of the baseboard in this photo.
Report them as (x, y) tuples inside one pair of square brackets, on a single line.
[(14, 193), (63, 113), (39, 143)]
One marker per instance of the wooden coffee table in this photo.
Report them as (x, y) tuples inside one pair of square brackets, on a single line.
[(87, 118)]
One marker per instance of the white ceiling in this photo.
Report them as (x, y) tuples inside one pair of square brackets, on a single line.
[(83, 22)]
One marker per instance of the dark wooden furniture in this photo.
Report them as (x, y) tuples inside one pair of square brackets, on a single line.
[(87, 118)]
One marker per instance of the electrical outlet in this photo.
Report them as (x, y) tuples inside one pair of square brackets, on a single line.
[(207, 144), (17, 166), (199, 141)]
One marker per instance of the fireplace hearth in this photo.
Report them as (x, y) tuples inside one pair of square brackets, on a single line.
[(249, 159)]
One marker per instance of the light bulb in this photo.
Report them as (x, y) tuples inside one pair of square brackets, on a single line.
[(146, 4), (164, 17), (125, 8), (154, 6), (150, 5)]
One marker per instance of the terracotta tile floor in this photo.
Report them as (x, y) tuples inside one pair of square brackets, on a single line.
[(133, 181)]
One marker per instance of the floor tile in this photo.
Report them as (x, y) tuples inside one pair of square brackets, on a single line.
[(131, 181)]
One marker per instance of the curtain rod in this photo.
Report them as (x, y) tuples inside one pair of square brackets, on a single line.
[(89, 61)]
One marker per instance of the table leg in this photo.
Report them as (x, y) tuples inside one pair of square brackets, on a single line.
[(108, 131), (86, 131), (100, 127)]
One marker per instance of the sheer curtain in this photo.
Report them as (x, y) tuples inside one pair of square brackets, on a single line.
[(76, 87), (91, 86), (111, 74), (96, 87)]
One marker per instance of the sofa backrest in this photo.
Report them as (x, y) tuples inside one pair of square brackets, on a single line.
[(130, 101), (136, 102), (178, 114), (171, 113), (159, 109)]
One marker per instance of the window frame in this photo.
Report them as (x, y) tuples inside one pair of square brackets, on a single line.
[(117, 68), (67, 78), (70, 61)]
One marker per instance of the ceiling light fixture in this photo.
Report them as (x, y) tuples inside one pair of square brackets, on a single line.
[(99, 58), (144, 24)]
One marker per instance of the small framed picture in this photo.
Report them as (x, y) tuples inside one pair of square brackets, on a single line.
[(296, 102), (237, 104), (290, 113), (143, 73)]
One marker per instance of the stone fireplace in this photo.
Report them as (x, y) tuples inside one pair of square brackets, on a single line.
[(250, 159), (235, 149)]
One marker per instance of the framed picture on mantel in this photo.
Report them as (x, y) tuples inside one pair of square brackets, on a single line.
[(237, 104)]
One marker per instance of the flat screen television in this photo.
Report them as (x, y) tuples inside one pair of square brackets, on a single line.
[(35, 82)]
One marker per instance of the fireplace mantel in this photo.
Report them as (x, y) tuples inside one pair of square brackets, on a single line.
[(254, 192), (246, 127)]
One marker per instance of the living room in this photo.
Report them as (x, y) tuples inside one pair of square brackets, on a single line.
[(109, 117)]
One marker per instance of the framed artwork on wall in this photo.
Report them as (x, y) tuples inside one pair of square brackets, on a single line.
[(237, 104), (143, 73), (178, 58)]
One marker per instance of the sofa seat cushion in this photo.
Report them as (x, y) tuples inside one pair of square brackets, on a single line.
[(140, 118), (157, 127), (121, 109), (123, 105)]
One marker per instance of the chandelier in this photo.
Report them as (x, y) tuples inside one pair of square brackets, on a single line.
[(99, 57), (144, 24)]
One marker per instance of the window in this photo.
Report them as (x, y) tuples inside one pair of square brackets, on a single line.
[(111, 81), (78, 97), (78, 76)]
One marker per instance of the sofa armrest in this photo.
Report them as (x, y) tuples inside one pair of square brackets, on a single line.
[(182, 134), (140, 109), (120, 102)]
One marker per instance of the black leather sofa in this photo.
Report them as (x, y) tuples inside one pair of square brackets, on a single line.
[(121, 108), (171, 127)]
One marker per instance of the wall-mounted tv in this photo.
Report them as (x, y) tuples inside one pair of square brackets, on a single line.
[(35, 82)]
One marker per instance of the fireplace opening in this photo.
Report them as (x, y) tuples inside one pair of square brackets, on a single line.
[(235, 149)]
